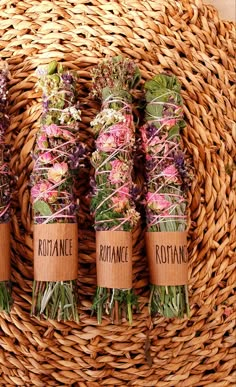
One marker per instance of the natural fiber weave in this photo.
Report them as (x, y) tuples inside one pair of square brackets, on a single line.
[(185, 38)]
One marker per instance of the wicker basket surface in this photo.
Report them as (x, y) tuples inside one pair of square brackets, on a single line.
[(188, 39)]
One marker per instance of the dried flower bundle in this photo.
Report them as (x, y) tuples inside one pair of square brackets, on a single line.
[(112, 203), (166, 188), (56, 157)]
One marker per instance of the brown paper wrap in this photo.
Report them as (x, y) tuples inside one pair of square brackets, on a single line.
[(114, 259), (167, 258), (5, 255), (55, 252)]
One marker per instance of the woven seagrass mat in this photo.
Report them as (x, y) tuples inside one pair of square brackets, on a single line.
[(188, 39)]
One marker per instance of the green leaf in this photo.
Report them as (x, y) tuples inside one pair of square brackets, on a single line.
[(59, 100), (56, 79), (42, 207), (48, 120), (52, 67), (136, 78), (119, 93), (182, 124), (60, 68), (174, 131), (162, 86), (153, 111)]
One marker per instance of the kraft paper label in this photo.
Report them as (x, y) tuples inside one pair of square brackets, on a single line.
[(167, 258), (114, 259), (55, 252), (5, 255)]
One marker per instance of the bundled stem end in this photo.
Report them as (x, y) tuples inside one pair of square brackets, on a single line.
[(5, 296), (169, 301), (115, 303), (55, 300)]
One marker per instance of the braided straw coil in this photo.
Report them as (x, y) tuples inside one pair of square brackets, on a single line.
[(189, 40)]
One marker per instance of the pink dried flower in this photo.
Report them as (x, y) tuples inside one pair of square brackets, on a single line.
[(106, 143), (155, 145), (122, 134), (171, 173), (40, 190), (170, 122), (42, 141), (121, 199), (46, 157), (157, 202), (119, 172), (52, 196), (123, 192), (52, 130), (56, 173), (119, 203)]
